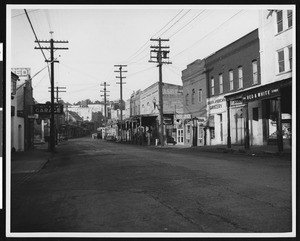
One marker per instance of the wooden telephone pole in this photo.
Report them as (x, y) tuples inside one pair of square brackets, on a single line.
[(52, 61), (105, 100), (121, 90), (156, 56)]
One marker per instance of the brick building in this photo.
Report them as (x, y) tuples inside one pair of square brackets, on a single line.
[(232, 69)]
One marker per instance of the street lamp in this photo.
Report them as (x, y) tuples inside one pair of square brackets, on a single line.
[(195, 131)]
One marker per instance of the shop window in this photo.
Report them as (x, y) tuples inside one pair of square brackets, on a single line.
[(200, 95), (254, 72), (279, 22), (221, 83), (212, 86), (281, 61), (193, 96), (290, 57), (255, 114), (231, 79), (240, 70), (290, 18)]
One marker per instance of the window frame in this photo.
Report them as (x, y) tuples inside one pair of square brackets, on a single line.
[(279, 22), (289, 18), (212, 86), (241, 74), (290, 51), (187, 99), (280, 62), (230, 74), (221, 84), (200, 95), (254, 72), (193, 97)]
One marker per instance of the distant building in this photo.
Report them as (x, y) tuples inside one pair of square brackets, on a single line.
[(191, 126)]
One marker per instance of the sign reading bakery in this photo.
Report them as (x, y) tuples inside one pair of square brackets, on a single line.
[(217, 104), (21, 72)]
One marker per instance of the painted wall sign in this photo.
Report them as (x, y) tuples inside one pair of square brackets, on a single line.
[(21, 72)]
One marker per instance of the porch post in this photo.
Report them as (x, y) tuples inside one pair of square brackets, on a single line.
[(228, 124), (279, 126), (247, 145)]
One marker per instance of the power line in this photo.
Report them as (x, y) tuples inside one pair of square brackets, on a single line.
[(36, 38), (168, 22), (24, 13), (188, 23), (176, 22), (208, 34)]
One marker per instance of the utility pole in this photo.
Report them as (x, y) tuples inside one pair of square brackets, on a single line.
[(51, 48), (105, 101), (157, 54), (121, 91), (58, 89)]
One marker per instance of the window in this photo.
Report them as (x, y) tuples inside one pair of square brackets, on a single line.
[(230, 79), (255, 114), (254, 72), (281, 61), (212, 86), (240, 69), (279, 22), (290, 18), (200, 95), (187, 99), (221, 83), (290, 57), (193, 96)]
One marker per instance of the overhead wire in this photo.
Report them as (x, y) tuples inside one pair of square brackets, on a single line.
[(176, 22), (187, 23), (36, 38), (24, 13), (208, 34)]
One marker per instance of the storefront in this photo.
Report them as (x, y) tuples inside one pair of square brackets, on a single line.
[(217, 119), (265, 115)]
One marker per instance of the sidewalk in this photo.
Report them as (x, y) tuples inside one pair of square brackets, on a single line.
[(30, 161), (235, 149)]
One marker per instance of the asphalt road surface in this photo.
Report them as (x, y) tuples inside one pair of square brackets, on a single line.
[(98, 186)]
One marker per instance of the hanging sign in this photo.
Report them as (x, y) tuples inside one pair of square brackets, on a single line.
[(46, 109)]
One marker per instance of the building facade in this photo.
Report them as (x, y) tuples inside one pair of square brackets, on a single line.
[(191, 129), (233, 69)]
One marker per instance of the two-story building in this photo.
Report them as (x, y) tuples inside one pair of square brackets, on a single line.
[(191, 126), (268, 107), (233, 69)]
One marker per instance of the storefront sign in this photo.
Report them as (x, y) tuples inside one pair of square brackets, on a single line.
[(260, 94), (234, 103), (21, 72), (46, 109), (216, 104)]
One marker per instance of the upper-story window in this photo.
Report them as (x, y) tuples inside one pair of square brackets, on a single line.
[(231, 79), (221, 83), (279, 21), (200, 95), (240, 71), (187, 99), (254, 72), (193, 96), (281, 60), (212, 86), (290, 57), (290, 18)]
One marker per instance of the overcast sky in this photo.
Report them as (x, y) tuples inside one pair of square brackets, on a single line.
[(103, 36)]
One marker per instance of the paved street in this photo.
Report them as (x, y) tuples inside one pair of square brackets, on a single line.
[(93, 185)]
